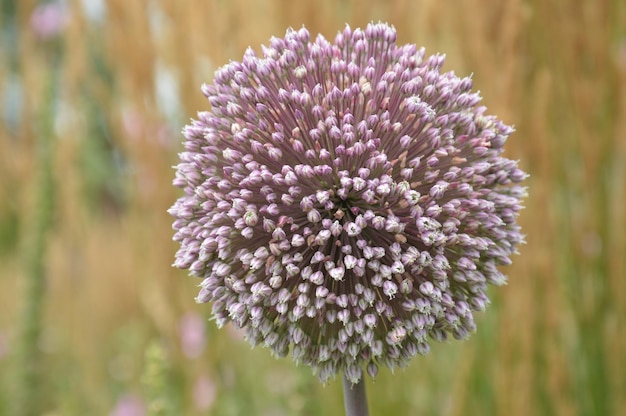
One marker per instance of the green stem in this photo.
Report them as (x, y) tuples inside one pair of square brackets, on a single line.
[(354, 397), (30, 376)]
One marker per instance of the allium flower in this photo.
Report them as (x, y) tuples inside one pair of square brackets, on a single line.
[(346, 202)]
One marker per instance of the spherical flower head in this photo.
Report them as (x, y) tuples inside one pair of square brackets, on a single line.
[(345, 201)]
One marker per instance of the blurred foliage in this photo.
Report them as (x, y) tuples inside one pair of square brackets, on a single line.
[(125, 77)]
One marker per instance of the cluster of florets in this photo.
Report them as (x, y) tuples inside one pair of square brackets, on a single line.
[(345, 201)]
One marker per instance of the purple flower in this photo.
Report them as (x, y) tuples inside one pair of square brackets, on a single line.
[(204, 392), (129, 405), (345, 201), (48, 20)]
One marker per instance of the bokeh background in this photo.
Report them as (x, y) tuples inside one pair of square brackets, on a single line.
[(93, 319)]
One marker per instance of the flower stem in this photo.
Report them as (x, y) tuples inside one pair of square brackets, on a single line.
[(354, 397), (29, 378)]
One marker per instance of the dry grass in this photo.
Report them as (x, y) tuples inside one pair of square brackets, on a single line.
[(554, 341)]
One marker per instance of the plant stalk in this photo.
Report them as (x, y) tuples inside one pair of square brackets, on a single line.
[(354, 397), (30, 377)]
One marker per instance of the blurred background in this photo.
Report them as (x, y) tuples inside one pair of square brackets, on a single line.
[(93, 319)]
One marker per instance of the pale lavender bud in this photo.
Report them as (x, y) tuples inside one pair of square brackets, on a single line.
[(337, 273), (372, 369), (314, 216)]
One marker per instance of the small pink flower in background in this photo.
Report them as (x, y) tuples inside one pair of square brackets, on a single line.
[(204, 393), (129, 405), (133, 124), (192, 335), (48, 20)]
